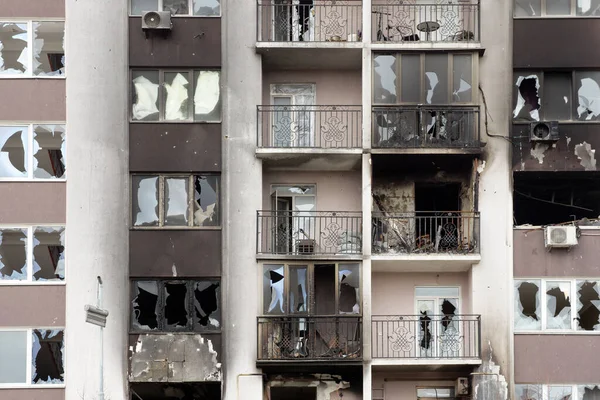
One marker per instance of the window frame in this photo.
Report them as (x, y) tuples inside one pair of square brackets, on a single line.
[(544, 388), (161, 303), (29, 362), (544, 14), (29, 257), (160, 4), (29, 21), (161, 201), (422, 81), (191, 75)]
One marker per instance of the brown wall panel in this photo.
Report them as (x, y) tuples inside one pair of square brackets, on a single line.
[(556, 43), (193, 253), (531, 258), (33, 100), (193, 42), (32, 202), (174, 147), (33, 8), (556, 358), (32, 394), (33, 306), (557, 157)]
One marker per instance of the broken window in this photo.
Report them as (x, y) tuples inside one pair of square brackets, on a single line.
[(462, 72), (48, 357), (48, 253), (145, 200), (528, 392), (13, 254), (49, 153), (560, 392), (164, 95), (588, 94), (205, 202), (528, 315), (32, 48), (384, 72), (191, 305), (551, 8), (558, 305), (273, 289), (207, 8), (588, 392), (349, 286), (176, 6), (588, 8), (176, 198), (588, 305), (527, 98)]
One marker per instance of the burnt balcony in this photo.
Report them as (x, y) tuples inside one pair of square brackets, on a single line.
[(307, 234), (439, 21), (327, 339), (426, 339), (429, 128)]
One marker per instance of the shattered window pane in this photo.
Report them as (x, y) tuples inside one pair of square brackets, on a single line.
[(527, 305), (49, 253), (145, 200), (556, 102), (206, 200), (14, 54), (559, 392), (558, 7), (384, 91), (528, 392), (273, 286), (462, 76), (49, 153), (138, 7), (145, 95), (176, 308), (48, 48), (298, 290), (13, 151), (588, 94), (588, 392), (207, 8), (411, 87), (436, 78), (176, 96), (176, 201), (13, 254), (176, 6), (558, 305), (527, 103), (13, 364), (145, 305), (528, 8), (207, 96), (207, 313), (588, 7), (588, 305), (349, 284), (47, 357)]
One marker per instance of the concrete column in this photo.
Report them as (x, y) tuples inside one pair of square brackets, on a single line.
[(97, 195), (242, 178)]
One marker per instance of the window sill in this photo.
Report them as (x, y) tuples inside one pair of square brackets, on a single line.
[(559, 332), (61, 77), (31, 386), (30, 180)]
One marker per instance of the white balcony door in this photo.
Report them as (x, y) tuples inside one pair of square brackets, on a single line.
[(439, 329), (293, 123), (294, 208)]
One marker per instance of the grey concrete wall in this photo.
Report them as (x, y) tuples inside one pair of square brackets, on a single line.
[(97, 195), (33, 202), (33, 99)]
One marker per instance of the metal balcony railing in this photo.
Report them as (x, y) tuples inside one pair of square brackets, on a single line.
[(426, 127), (426, 336), (309, 21), (320, 127), (297, 338), (309, 233), (426, 232), (408, 21)]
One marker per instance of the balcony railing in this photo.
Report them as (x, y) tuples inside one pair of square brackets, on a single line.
[(319, 21), (309, 338), (321, 127), (426, 232), (426, 336), (309, 233), (426, 127), (407, 21)]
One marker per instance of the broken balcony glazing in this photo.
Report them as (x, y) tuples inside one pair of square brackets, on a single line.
[(529, 392), (560, 392), (48, 357), (528, 314), (588, 392), (49, 152), (145, 305), (13, 254), (207, 313), (588, 93)]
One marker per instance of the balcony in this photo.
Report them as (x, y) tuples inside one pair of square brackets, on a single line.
[(448, 241), (426, 339), (300, 234), (409, 23), (302, 339), (426, 129)]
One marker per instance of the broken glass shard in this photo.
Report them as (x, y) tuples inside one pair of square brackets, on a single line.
[(13, 151), (49, 253), (207, 96), (384, 91), (558, 305), (145, 305), (13, 347), (273, 286), (528, 8), (14, 54), (298, 293), (206, 200), (349, 284), (176, 309), (138, 7), (13, 254), (588, 7), (527, 305), (145, 200), (528, 392), (47, 357), (145, 95), (588, 305), (588, 94), (176, 6), (462, 72), (176, 97), (207, 8), (207, 315), (588, 392), (49, 152), (527, 98), (176, 201), (48, 48)]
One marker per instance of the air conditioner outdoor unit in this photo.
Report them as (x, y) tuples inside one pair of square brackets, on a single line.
[(543, 131), (156, 20), (560, 236), (462, 387)]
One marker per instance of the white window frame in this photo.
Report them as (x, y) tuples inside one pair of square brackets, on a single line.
[(545, 387), (189, 14), (29, 74), (543, 14), (29, 257), (30, 157), (29, 366)]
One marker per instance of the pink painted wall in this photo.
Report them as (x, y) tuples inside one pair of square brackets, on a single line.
[(32, 306), (32, 394), (33, 99), (33, 8), (33, 202)]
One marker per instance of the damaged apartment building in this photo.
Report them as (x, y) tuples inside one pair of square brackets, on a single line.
[(299, 200)]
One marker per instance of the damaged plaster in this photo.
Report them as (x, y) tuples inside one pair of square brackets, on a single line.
[(174, 358), (488, 383), (326, 385), (586, 156), (538, 151)]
